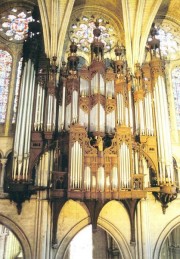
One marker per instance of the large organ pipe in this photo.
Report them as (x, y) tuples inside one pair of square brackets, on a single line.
[(19, 114), (93, 182), (21, 140), (130, 110), (101, 178), (84, 87), (42, 110), (63, 107), (68, 116), (54, 114), (146, 172), (37, 107), (122, 165), (128, 166), (29, 127), (136, 162), (29, 114), (60, 125), (118, 112), (151, 113), (158, 127), (101, 123), (87, 178), (101, 85), (166, 132), (72, 169), (163, 124), (169, 163), (141, 117), (80, 167), (77, 164), (110, 122), (74, 106), (114, 177), (137, 118)]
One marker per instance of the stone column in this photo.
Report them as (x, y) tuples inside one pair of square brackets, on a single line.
[(145, 228), (3, 161)]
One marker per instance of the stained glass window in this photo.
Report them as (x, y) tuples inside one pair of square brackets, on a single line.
[(14, 23), (5, 73), (81, 32), (168, 43), (176, 91), (17, 90)]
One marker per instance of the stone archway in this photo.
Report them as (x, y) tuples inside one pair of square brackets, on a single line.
[(104, 224), (19, 234), (162, 237), (117, 235)]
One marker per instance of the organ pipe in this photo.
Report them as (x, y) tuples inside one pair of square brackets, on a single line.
[(163, 136), (87, 178), (75, 107), (76, 166), (101, 179), (24, 118)]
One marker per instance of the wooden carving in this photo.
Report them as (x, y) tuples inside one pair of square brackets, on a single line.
[(110, 105)]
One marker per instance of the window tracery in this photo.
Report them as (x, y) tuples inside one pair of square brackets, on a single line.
[(169, 36), (81, 32), (5, 73), (14, 24), (169, 44)]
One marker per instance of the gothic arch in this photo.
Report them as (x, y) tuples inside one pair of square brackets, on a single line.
[(104, 224), (163, 235), (66, 241), (117, 235), (17, 231)]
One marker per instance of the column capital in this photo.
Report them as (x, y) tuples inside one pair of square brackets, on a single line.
[(3, 161)]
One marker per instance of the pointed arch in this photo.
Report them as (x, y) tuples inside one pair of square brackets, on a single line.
[(20, 235), (163, 235)]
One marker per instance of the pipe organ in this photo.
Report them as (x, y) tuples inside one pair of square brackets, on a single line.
[(24, 120), (97, 132)]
